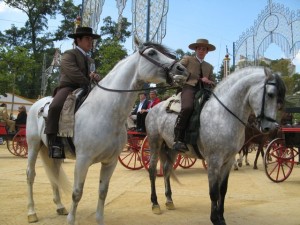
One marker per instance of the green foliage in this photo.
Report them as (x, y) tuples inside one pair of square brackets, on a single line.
[(16, 66), (108, 55), (35, 37), (109, 50)]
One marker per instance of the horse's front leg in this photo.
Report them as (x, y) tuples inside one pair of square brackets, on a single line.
[(217, 201), (106, 173), (81, 169)]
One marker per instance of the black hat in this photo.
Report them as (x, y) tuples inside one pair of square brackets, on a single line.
[(84, 31)]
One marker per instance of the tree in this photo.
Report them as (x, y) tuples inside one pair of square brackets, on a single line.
[(16, 65), (109, 49), (35, 36)]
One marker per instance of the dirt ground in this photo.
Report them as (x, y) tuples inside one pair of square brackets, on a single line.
[(252, 199)]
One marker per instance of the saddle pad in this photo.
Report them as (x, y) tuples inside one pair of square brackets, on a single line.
[(67, 117), (173, 104)]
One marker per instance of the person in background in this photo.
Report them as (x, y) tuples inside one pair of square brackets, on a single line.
[(22, 116), (4, 118), (154, 100), (201, 76), (75, 72), (139, 114)]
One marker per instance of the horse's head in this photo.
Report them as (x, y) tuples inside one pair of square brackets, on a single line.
[(159, 65), (273, 94)]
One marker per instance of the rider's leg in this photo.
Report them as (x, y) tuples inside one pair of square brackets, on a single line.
[(187, 105), (54, 145)]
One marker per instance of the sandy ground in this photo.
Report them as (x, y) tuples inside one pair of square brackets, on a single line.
[(252, 199)]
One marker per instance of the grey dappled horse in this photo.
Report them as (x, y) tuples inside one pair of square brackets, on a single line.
[(221, 132), (99, 132)]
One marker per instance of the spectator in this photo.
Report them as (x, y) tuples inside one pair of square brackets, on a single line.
[(140, 113)]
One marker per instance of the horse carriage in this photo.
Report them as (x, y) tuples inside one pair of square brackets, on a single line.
[(15, 142), (136, 154), (282, 153)]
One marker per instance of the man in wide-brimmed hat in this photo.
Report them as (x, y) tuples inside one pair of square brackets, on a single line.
[(75, 73), (201, 75)]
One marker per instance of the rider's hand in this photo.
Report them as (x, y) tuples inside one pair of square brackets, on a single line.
[(95, 76), (207, 81)]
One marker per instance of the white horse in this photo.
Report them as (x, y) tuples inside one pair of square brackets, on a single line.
[(99, 132), (221, 132)]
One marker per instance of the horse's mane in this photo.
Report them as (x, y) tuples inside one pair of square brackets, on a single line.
[(229, 81), (163, 49)]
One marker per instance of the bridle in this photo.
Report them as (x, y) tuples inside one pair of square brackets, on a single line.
[(167, 69), (262, 115)]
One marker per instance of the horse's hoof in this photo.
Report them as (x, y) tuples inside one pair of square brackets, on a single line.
[(236, 168), (255, 167), (156, 209), (240, 164), (62, 211), (170, 205), (32, 218), (247, 164)]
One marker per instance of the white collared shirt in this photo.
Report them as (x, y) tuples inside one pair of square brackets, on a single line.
[(200, 60), (141, 105), (82, 51)]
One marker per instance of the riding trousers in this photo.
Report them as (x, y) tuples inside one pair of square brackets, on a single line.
[(187, 106), (55, 109)]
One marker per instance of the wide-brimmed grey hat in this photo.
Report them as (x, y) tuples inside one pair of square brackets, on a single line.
[(84, 31), (202, 43)]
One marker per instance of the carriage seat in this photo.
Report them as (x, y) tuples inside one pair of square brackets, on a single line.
[(3, 130)]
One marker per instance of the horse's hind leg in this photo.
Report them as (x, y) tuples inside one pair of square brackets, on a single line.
[(167, 169), (260, 150), (33, 149)]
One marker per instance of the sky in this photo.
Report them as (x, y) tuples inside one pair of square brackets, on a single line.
[(221, 22)]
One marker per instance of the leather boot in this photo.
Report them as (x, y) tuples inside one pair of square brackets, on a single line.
[(179, 144), (55, 147)]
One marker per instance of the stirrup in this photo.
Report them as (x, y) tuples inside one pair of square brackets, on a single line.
[(180, 147), (56, 152)]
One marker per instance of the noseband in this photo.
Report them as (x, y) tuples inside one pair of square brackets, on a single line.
[(167, 69)]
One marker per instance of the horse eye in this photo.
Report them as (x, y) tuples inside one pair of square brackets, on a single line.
[(271, 95), (152, 52)]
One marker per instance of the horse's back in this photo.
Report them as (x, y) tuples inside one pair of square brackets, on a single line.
[(35, 121)]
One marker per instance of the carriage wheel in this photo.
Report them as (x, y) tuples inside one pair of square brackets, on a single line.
[(279, 160), (186, 162), (145, 151), (19, 144), (130, 157), (9, 145)]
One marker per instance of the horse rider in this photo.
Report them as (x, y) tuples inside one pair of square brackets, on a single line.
[(201, 76), (74, 73)]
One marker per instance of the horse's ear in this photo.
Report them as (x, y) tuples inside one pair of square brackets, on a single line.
[(268, 72), (137, 43)]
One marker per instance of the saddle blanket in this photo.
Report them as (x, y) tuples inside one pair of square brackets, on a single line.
[(173, 104), (67, 116)]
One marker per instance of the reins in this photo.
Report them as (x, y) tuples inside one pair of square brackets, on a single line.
[(135, 90)]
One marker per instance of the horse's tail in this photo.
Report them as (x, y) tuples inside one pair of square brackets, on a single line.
[(54, 171), (170, 160)]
